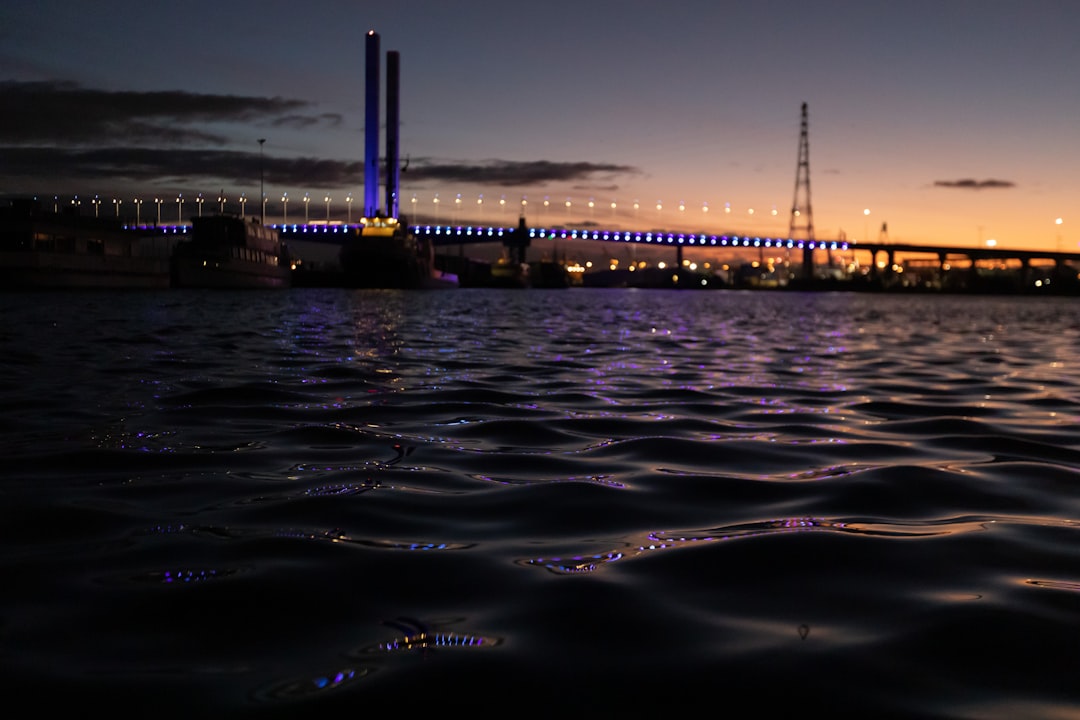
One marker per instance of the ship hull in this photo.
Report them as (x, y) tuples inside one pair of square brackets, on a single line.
[(198, 272), (391, 261), (54, 271), (53, 250), (228, 252)]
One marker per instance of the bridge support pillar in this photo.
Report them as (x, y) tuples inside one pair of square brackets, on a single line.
[(678, 257), (972, 273), (516, 241), (1064, 275), (808, 262)]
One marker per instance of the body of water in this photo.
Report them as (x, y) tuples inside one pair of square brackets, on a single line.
[(519, 503)]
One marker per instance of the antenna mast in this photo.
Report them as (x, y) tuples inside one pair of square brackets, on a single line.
[(802, 214)]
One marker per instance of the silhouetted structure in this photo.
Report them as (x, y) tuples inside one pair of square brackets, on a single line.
[(802, 214), (371, 126)]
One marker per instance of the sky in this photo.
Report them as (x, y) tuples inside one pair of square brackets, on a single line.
[(944, 122)]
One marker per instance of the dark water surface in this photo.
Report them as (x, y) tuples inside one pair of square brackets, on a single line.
[(520, 503)]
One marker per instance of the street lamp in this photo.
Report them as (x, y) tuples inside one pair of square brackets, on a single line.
[(866, 225), (307, 199), (199, 202), (262, 192), (179, 208), (348, 209), (96, 202), (158, 201), (435, 200), (327, 201), (116, 205), (138, 207), (1058, 222), (243, 203), (221, 202), (285, 208), (75, 203)]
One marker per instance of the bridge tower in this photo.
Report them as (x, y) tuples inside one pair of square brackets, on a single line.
[(393, 111), (802, 213), (371, 125)]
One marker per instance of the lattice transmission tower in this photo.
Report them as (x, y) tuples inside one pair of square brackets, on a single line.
[(802, 213)]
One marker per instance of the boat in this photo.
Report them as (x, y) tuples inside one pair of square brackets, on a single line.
[(383, 252), (40, 249), (227, 251), (508, 274)]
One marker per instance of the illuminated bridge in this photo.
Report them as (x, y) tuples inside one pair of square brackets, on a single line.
[(518, 238), (444, 235), (456, 235)]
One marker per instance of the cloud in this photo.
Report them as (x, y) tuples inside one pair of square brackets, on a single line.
[(59, 137), (514, 174), (62, 167), (969, 184), (305, 121), (62, 113)]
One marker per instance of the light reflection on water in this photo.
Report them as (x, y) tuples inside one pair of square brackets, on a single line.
[(321, 500)]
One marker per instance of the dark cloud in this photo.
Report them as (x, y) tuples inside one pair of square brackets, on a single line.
[(60, 113), (60, 168), (58, 137), (49, 167), (305, 121), (514, 174), (969, 184)]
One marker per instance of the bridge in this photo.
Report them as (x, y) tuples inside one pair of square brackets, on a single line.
[(518, 238)]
